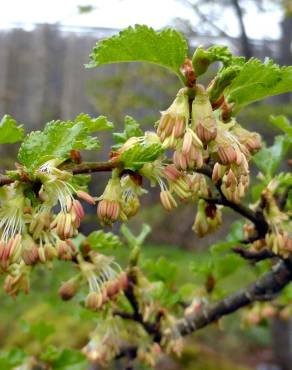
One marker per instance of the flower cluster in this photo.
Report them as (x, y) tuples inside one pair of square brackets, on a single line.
[(37, 223)]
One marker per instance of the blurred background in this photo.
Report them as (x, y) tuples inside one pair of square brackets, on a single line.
[(43, 48)]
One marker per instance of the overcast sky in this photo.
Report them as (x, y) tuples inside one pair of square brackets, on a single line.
[(122, 13)]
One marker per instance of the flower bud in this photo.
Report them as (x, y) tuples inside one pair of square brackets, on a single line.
[(174, 120), (94, 301), (68, 289), (167, 200), (203, 119)]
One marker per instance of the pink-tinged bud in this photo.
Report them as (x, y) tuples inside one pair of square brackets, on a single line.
[(78, 209), (94, 301), (123, 280), (14, 284), (187, 142), (218, 172), (167, 200), (112, 288), (230, 179), (68, 290), (85, 196), (50, 252), (226, 154), (69, 204), (179, 128), (172, 173), (108, 211), (30, 254), (174, 120), (203, 119), (205, 134)]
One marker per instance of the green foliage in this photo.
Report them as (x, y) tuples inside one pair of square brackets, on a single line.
[(40, 330), (142, 44), (101, 240), (283, 124), (10, 132), (9, 360), (58, 138), (70, 359), (131, 128), (269, 159), (217, 53), (161, 269), (141, 153), (257, 81), (94, 124), (133, 240)]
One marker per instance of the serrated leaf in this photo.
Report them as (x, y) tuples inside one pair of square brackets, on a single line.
[(101, 240), (131, 128), (269, 159), (257, 81), (203, 58), (94, 124), (135, 157), (56, 141), (10, 132), (283, 124), (166, 48)]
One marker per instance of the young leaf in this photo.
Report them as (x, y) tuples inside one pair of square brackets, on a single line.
[(135, 157), (94, 124), (101, 240), (142, 44), (131, 128), (10, 133), (203, 58), (283, 124), (268, 159), (257, 81), (55, 142)]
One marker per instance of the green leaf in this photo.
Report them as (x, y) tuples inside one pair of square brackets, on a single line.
[(9, 360), (162, 270), (203, 58), (94, 124), (41, 330), (131, 128), (101, 240), (257, 81), (142, 44), (70, 359), (10, 133), (135, 157), (227, 265), (55, 142), (269, 159), (283, 124)]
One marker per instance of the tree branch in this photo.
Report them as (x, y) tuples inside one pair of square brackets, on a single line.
[(263, 289), (253, 256)]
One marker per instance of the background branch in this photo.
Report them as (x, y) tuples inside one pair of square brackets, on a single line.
[(263, 289)]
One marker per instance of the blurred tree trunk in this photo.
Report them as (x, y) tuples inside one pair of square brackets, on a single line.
[(285, 51), (246, 48), (282, 342)]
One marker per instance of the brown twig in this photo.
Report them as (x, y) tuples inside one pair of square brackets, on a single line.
[(263, 289)]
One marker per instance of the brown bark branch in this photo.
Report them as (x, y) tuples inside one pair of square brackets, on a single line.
[(263, 289)]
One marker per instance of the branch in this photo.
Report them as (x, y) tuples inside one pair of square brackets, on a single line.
[(86, 167), (253, 255), (263, 289)]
